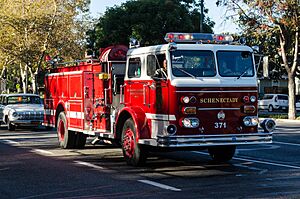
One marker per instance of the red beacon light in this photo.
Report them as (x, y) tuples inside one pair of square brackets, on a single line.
[(221, 38), (197, 38)]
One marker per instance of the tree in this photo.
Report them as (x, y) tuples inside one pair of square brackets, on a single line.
[(32, 29), (274, 21), (147, 21)]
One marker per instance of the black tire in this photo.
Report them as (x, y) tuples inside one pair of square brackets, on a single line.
[(221, 153), (270, 108), (80, 140), (66, 138), (134, 153), (48, 128), (10, 126)]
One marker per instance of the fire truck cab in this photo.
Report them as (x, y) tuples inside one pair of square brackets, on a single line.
[(198, 90)]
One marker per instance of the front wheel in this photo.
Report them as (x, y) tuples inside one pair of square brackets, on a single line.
[(66, 138), (10, 126), (133, 153), (221, 153), (80, 140)]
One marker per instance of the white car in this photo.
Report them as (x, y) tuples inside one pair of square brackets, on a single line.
[(298, 105), (21, 110), (273, 102)]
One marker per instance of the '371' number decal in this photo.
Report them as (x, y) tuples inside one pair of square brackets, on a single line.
[(220, 125)]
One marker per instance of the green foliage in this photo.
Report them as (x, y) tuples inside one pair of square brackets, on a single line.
[(32, 29), (146, 20)]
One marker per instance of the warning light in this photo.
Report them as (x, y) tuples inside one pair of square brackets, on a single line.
[(198, 38)]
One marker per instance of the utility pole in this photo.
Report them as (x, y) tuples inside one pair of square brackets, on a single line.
[(201, 14)]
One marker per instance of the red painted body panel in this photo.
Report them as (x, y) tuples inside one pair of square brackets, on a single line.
[(208, 109)]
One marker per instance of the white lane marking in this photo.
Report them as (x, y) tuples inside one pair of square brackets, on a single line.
[(88, 165), (11, 142), (268, 163), (42, 151), (286, 143), (258, 161), (162, 186)]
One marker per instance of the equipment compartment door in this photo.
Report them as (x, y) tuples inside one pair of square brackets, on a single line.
[(88, 107)]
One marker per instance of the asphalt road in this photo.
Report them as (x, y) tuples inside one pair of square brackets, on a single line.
[(32, 166)]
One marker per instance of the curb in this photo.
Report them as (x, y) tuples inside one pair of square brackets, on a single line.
[(281, 120), (287, 121)]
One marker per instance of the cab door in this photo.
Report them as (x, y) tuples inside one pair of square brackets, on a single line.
[(134, 87), (157, 94)]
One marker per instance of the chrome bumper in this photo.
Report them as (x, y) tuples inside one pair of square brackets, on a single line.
[(209, 140), (27, 122)]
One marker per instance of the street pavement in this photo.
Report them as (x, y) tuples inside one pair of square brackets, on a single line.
[(33, 166)]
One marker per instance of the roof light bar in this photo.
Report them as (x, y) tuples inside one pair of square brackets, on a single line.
[(198, 38)]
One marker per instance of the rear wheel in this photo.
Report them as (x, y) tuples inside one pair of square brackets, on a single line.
[(221, 153), (66, 138), (133, 153)]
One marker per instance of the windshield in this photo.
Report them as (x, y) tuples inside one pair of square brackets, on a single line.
[(235, 64), (23, 100), (192, 63)]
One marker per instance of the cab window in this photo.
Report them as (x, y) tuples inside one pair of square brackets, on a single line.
[(154, 62), (134, 67), (235, 63), (193, 63)]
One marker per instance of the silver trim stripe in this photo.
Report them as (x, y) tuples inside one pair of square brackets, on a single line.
[(75, 115), (65, 73), (160, 117), (70, 114), (231, 91), (206, 109)]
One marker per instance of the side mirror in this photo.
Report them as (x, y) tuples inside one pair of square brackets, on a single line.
[(172, 46), (255, 49)]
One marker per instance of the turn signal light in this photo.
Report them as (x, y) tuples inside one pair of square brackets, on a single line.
[(249, 109), (189, 110)]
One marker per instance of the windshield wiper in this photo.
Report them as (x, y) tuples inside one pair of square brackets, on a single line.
[(187, 73), (243, 73)]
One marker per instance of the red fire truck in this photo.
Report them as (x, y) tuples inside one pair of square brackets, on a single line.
[(196, 91)]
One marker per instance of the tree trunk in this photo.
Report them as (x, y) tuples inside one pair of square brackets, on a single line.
[(33, 76), (24, 77), (291, 87)]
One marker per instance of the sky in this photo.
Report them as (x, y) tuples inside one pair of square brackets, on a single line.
[(217, 14)]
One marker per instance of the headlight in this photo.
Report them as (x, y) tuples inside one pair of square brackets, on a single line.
[(14, 114), (250, 121), (252, 98), (190, 122)]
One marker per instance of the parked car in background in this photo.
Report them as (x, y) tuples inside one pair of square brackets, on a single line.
[(298, 105), (273, 102), (20, 110)]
